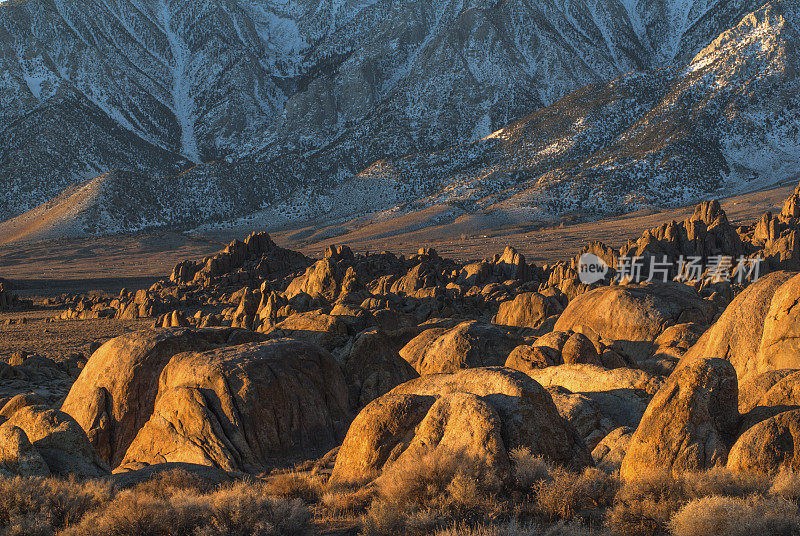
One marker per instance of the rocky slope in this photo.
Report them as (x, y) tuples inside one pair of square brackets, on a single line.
[(290, 101)]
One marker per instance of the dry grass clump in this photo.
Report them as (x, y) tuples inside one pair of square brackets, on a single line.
[(166, 484), (646, 506), (295, 485), (721, 481), (566, 495), (422, 494), (515, 528), (442, 493), (347, 501), (643, 507), (439, 479), (173, 503), (242, 509), (737, 516), (44, 506), (787, 485), (527, 469)]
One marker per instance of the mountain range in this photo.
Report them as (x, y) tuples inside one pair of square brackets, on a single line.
[(119, 115)]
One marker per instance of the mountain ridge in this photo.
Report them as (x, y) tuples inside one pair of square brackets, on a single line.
[(310, 120)]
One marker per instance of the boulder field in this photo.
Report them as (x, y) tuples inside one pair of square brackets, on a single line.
[(377, 360)]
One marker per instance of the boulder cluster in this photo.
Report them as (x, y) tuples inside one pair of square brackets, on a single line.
[(373, 361)]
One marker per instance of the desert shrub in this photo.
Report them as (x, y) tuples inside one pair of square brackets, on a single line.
[(42, 506), (516, 528), (737, 516), (527, 469), (295, 485), (420, 495), (724, 482), (242, 509), (787, 485), (439, 479), (347, 501), (168, 483), (382, 518), (137, 514), (644, 506), (566, 494)]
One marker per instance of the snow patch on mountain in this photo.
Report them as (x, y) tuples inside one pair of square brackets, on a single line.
[(182, 99)]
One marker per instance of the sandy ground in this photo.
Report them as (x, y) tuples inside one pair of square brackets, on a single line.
[(58, 339)]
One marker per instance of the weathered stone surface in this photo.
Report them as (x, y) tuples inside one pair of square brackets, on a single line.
[(690, 423), (676, 340), (633, 316), (526, 358), (527, 310), (315, 327), (373, 367), (246, 408), (414, 350), (115, 393), (579, 350), (468, 345), (20, 401), (582, 378), (59, 440), (752, 390), (482, 412), (769, 446), (583, 413), (609, 453), (18, 456), (756, 332)]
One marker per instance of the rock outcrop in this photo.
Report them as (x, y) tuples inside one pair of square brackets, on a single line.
[(248, 407), (609, 453), (468, 345), (633, 316), (527, 310), (37, 441), (769, 446), (690, 424), (757, 332), (372, 367), (115, 393), (483, 413)]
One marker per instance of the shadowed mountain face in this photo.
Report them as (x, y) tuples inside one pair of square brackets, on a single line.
[(238, 105)]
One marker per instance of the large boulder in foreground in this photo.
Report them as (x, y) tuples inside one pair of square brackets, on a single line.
[(690, 423), (769, 446), (37, 441), (248, 407), (482, 413), (758, 332), (468, 345), (116, 391), (633, 316)]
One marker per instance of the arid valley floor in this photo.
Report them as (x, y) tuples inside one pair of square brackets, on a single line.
[(310, 382)]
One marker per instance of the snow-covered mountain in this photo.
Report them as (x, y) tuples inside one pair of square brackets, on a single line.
[(726, 122), (238, 105)]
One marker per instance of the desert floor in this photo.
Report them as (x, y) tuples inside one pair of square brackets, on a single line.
[(107, 264)]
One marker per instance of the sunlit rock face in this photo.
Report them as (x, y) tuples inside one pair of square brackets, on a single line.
[(295, 98)]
